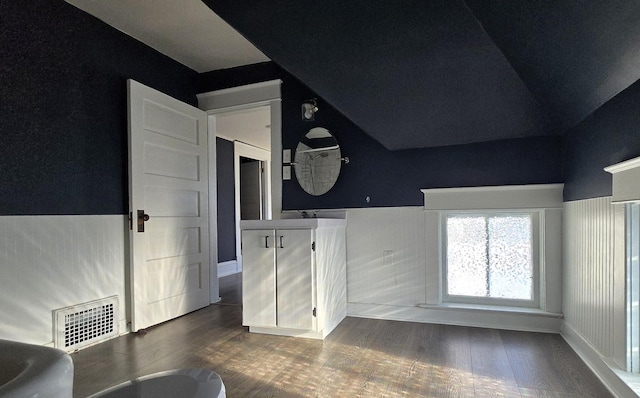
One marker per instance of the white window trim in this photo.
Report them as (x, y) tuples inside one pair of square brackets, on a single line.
[(536, 255), (633, 288), (625, 190), (546, 199)]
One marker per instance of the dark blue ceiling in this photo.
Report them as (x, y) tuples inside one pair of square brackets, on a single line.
[(415, 73)]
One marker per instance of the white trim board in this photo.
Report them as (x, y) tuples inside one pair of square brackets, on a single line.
[(214, 274), (494, 197), (241, 95), (630, 164), (227, 268), (247, 97), (490, 319), (603, 368), (624, 185), (241, 149)]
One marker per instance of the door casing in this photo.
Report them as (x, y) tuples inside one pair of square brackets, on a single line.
[(244, 98)]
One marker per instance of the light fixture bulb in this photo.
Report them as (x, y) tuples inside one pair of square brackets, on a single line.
[(309, 108)]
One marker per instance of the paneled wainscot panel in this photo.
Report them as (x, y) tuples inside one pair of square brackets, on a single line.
[(50, 262)]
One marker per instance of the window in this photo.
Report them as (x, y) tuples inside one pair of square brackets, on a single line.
[(495, 246), (632, 212), (490, 258), (626, 191)]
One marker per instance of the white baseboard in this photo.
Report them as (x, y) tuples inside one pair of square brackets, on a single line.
[(491, 319), (228, 268), (602, 367)]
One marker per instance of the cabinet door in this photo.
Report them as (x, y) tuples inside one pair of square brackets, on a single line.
[(258, 278), (295, 279)]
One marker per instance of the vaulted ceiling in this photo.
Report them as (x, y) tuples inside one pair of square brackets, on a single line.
[(415, 73)]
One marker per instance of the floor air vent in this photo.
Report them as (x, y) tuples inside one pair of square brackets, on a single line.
[(85, 324)]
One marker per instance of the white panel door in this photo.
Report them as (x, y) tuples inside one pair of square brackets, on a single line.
[(295, 287), (168, 181), (258, 278)]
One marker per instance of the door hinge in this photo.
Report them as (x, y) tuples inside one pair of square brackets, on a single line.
[(131, 220), (314, 311), (313, 246)]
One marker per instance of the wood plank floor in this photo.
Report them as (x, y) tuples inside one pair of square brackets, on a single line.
[(361, 358)]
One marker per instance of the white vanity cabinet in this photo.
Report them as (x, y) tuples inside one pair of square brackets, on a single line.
[(294, 276)]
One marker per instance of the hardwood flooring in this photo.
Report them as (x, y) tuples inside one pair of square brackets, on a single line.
[(231, 289), (360, 358)]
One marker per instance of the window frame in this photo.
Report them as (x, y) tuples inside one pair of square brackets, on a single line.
[(536, 254), (632, 270), (547, 199)]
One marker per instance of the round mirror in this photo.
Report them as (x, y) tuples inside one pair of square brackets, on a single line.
[(317, 161)]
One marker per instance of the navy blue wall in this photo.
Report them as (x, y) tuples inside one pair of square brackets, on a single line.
[(226, 201), (63, 127), (63, 119), (393, 178), (609, 135)]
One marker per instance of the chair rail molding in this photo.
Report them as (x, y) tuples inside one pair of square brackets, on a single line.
[(625, 181)]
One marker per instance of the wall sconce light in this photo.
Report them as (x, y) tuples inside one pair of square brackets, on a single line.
[(309, 109)]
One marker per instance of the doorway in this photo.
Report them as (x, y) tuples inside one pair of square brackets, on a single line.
[(224, 104), (252, 193), (261, 156)]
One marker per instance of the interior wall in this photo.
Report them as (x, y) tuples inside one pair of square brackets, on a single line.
[(610, 135), (392, 178), (63, 185), (63, 123), (226, 201), (64, 108), (594, 312)]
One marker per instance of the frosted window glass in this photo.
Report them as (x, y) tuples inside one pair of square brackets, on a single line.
[(490, 256), (466, 256)]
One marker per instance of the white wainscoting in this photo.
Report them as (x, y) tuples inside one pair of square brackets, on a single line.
[(387, 275), (588, 261), (50, 262), (400, 280), (593, 287)]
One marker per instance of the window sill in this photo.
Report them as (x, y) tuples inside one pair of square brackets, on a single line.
[(632, 380), (492, 309)]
